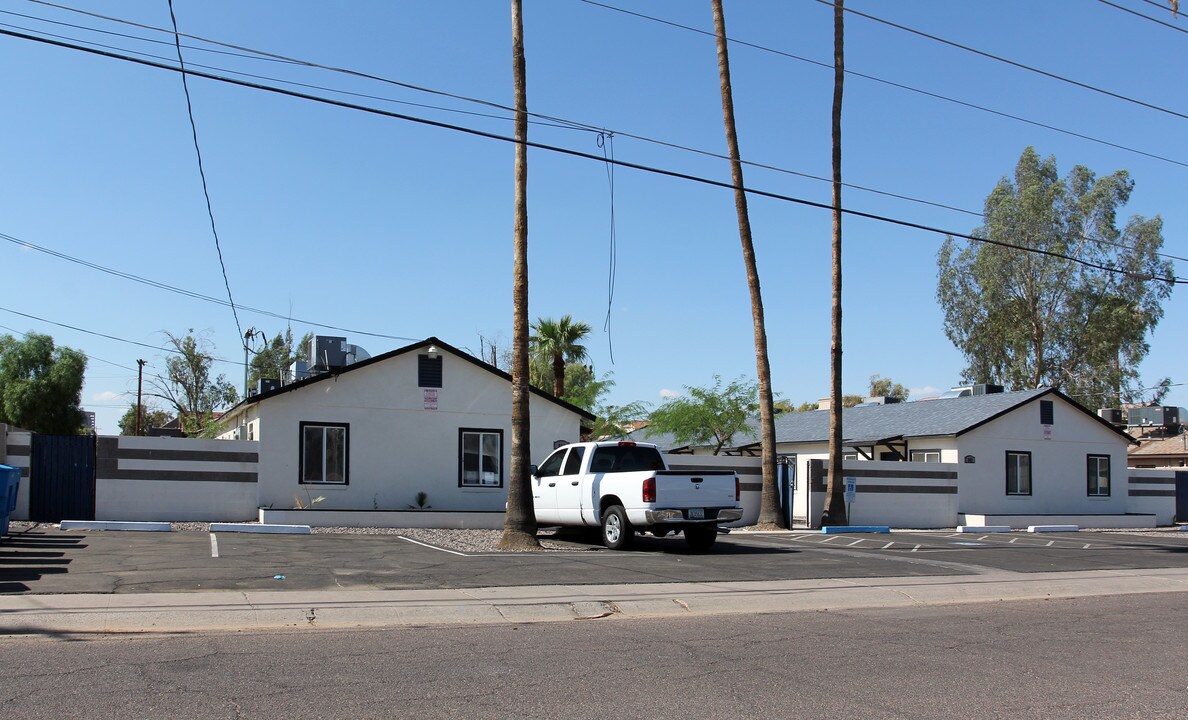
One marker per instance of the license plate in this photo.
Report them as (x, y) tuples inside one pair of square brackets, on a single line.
[(696, 514)]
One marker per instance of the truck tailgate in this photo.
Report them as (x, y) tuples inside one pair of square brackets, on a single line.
[(713, 488)]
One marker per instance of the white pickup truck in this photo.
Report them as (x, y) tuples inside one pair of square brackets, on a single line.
[(626, 486)]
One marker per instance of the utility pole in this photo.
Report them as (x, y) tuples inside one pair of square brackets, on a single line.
[(139, 387)]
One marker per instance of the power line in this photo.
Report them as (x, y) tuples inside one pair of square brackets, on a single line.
[(589, 156), (111, 337), (1145, 17), (1013, 63), (602, 135), (550, 122), (202, 173), (576, 125), (901, 86), (191, 293), (92, 357)]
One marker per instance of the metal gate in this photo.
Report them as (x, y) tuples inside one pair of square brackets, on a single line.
[(62, 478)]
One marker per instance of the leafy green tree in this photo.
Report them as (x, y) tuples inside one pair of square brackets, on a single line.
[(149, 418), (707, 415), (274, 359), (40, 385), (555, 343), (189, 387), (1036, 316), (885, 387)]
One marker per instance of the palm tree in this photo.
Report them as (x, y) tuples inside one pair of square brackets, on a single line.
[(519, 525), (769, 513), (835, 506), (558, 342)]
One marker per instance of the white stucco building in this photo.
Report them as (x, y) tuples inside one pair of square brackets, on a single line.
[(1018, 454), (426, 418)]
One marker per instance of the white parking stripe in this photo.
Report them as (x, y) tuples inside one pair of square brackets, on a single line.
[(214, 545), (888, 545), (855, 542), (916, 548), (1050, 543)]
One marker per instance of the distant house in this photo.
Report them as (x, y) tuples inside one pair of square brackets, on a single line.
[(1171, 452), (426, 418), (1026, 453)]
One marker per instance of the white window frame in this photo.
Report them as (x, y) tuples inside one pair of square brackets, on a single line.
[(935, 455)]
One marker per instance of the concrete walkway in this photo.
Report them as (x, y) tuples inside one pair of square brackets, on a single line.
[(259, 610)]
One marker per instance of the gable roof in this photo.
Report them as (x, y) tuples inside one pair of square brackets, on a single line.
[(333, 374), (867, 424), (1177, 445)]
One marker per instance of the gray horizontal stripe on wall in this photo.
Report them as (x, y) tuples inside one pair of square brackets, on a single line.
[(21, 450), (742, 470), (922, 474), (177, 476), (1138, 492), (750, 487), (1151, 481), (187, 455), (909, 489)]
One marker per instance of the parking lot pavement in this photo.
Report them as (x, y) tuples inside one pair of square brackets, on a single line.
[(44, 560)]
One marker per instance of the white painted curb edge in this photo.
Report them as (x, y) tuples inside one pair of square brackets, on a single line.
[(114, 525), (248, 528)]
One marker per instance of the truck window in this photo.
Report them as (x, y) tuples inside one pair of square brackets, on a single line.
[(573, 464), (626, 458), (552, 466)]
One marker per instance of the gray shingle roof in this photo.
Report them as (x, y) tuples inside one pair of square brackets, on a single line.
[(863, 424)]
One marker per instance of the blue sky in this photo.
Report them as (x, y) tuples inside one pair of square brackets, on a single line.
[(402, 230)]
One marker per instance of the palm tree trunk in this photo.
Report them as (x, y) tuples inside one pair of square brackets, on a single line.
[(835, 510), (558, 375), (519, 525), (769, 508)]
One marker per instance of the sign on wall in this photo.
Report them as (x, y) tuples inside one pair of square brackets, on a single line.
[(430, 399)]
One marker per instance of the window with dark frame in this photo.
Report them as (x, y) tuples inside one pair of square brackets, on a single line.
[(1098, 475), (1018, 473), (324, 453), (429, 372), (480, 458)]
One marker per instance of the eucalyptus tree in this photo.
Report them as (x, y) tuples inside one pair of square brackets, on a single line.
[(1055, 293)]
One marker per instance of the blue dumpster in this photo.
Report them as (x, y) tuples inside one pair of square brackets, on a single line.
[(10, 483)]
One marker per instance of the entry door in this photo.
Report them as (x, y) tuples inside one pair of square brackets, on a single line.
[(1181, 496), (544, 489), (62, 478), (569, 488)]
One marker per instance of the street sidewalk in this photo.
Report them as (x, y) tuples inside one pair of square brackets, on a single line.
[(261, 610)]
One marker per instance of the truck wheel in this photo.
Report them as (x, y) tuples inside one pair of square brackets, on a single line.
[(616, 528), (700, 538)]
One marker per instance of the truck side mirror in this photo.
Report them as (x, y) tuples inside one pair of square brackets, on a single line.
[(532, 470)]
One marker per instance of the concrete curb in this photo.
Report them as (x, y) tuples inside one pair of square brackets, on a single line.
[(115, 525), (263, 610), (983, 528), (836, 529), (252, 528), (1052, 528)]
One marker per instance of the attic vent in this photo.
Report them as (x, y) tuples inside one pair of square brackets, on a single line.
[(429, 371), (1046, 412)]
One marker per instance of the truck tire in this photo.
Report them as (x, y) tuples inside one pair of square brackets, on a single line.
[(617, 532), (700, 537)]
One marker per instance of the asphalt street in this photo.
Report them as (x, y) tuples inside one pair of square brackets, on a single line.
[(1099, 658)]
